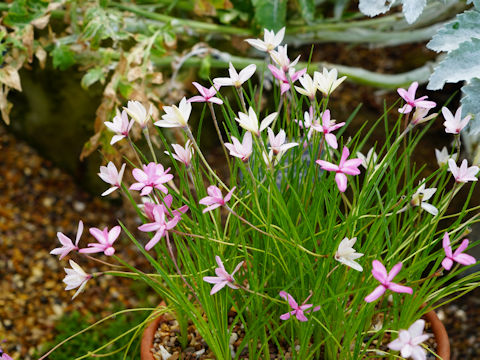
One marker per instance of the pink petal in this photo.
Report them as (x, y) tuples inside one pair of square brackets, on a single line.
[(113, 234), (375, 294), (218, 287), (446, 245), (462, 247), (395, 270), (301, 316), (139, 175), (331, 140), (447, 263), (213, 279), (291, 301), (286, 316), (412, 90), (98, 234), (197, 99), (379, 272), (341, 180), (464, 259), (400, 288), (325, 165)]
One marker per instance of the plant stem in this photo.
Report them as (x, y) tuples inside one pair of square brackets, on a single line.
[(149, 142), (214, 117)]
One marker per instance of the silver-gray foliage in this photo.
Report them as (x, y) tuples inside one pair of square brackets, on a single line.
[(411, 8)]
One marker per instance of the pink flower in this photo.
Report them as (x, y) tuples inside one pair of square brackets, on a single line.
[(380, 273), (160, 225), (152, 176), (105, 240), (280, 57), (463, 173), (409, 97), (298, 311), (223, 278), (241, 150), (408, 341), (349, 167), (4, 356), (182, 154), (215, 198), (207, 95), (327, 127), (457, 256), (120, 125), (166, 205), (111, 176), (277, 143), (454, 124), (280, 75), (67, 242)]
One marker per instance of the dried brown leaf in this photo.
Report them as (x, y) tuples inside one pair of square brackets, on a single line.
[(40, 23), (9, 76), (41, 55)]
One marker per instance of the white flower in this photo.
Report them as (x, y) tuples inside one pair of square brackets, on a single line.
[(182, 154), (327, 81), (443, 156), (75, 277), (236, 79), (250, 122), (370, 160), (270, 40), (408, 341), (120, 125), (243, 149), (176, 116), (421, 196), (309, 86), (454, 124), (277, 143), (281, 58), (111, 176), (347, 255), (138, 113)]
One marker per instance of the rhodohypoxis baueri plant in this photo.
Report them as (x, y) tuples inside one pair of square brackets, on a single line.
[(298, 216)]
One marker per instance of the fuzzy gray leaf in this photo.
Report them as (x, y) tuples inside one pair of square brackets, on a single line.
[(460, 64), (463, 28), (374, 7), (471, 104), (412, 9)]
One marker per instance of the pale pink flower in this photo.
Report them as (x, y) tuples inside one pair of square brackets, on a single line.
[(206, 95), (454, 124), (327, 127), (215, 198), (241, 150), (111, 176), (152, 176), (281, 58), (138, 112), (166, 205), (298, 310), (223, 277), (159, 224), (457, 256), (105, 240), (280, 75), (4, 356), (464, 173), (346, 167), (270, 40), (67, 242), (120, 125), (421, 115), (182, 154), (277, 143), (236, 79), (408, 341), (380, 273), (409, 97), (76, 277)]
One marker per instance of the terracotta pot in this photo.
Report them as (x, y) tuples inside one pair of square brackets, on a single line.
[(441, 337)]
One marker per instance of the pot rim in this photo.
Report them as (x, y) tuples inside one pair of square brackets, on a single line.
[(438, 329)]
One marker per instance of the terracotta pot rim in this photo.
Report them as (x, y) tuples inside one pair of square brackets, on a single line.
[(438, 329)]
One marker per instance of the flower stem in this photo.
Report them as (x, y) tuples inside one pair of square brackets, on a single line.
[(215, 123), (149, 142)]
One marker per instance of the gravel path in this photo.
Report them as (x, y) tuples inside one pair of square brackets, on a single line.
[(36, 201)]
